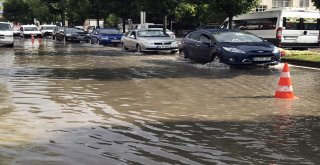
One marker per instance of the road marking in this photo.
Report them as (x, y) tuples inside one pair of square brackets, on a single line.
[(305, 67)]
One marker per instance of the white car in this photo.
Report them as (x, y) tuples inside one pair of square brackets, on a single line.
[(29, 30), (47, 30), (6, 34), (156, 27), (143, 40)]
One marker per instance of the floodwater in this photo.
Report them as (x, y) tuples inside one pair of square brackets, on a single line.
[(80, 104)]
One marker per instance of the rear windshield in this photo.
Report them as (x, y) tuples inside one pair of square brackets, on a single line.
[(310, 24), (4, 27), (291, 23), (73, 30), (47, 27), (152, 33), (109, 31), (235, 37), (30, 29)]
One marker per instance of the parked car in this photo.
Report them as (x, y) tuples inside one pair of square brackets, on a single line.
[(106, 36), (71, 34), (6, 34), (149, 40), (29, 30), (47, 30), (229, 47)]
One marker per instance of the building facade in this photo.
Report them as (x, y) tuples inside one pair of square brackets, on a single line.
[(269, 4)]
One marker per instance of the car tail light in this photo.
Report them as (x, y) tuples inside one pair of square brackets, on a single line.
[(279, 33)]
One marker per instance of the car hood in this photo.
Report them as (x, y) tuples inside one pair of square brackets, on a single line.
[(157, 39), (247, 47), (6, 32), (78, 33)]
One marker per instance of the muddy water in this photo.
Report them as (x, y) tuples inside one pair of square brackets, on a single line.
[(88, 104)]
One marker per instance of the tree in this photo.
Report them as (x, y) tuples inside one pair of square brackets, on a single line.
[(234, 7), (17, 11), (164, 8)]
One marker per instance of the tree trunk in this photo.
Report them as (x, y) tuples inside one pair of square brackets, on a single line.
[(123, 24), (165, 24), (230, 22)]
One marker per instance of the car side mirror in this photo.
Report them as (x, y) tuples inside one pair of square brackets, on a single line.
[(132, 36)]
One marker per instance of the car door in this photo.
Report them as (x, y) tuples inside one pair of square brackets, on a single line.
[(95, 36), (191, 44), (132, 40), (205, 47)]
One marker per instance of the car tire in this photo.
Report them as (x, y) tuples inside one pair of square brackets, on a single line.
[(124, 48), (182, 53), (138, 48)]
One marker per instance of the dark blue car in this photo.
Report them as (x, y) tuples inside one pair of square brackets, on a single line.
[(106, 36), (229, 47)]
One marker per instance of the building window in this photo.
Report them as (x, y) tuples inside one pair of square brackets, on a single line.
[(281, 3), (304, 3), (261, 8)]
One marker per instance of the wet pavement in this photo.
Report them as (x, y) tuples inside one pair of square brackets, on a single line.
[(88, 104)]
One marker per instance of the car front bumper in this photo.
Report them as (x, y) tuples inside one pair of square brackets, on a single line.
[(251, 59), (172, 47), (6, 41)]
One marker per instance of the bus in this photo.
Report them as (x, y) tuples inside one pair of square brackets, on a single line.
[(286, 27)]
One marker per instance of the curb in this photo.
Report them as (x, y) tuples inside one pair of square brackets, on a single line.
[(302, 63)]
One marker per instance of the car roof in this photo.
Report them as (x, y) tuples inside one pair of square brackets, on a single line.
[(5, 23)]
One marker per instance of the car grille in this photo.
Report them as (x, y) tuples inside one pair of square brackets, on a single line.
[(162, 43)]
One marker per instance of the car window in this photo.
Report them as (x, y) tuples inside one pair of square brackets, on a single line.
[(235, 37), (30, 29), (292, 23), (311, 24), (194, 36), (204, 38), (133, 34), (5, 27), (152, 33)]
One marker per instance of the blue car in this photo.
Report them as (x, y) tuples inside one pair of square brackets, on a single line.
[(229, 47), (106, 36)]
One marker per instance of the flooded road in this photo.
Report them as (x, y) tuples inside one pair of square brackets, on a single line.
[(87, 104)]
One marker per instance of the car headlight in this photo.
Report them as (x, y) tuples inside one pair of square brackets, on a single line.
[(68, 35), (234, 50), (275, 50)]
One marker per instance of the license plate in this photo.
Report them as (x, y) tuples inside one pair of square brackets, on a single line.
[(115, 40), (262, 59), (163, 46)]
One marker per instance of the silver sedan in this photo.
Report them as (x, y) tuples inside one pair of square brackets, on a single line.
[(143, 40)]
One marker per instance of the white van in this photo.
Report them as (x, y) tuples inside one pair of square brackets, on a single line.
[(286, 27), (47, 30), (29, 30)]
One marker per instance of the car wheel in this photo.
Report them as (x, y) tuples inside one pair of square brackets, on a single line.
[(138, 48), (124, 48), (182, 53), (11, 45), (216, 58)]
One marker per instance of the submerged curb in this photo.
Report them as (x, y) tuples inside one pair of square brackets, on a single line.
[(302, 63)]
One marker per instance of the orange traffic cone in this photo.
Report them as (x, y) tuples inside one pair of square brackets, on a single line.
[(284, 90), (32, 38)]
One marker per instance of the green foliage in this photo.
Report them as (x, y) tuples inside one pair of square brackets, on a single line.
[(316, 3), (17, 10)]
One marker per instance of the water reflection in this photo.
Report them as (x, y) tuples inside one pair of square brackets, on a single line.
[(82, 104)]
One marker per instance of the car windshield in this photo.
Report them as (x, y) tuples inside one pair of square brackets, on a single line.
[(73, 30), (30, 29), (235, 37), (109, 31), (47, 27), (152, 33), (4, 27)]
